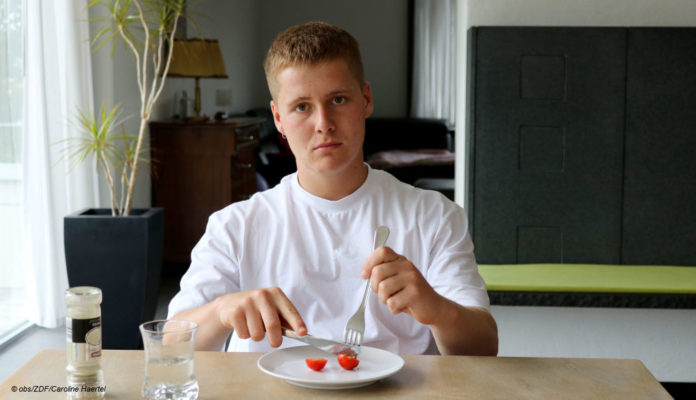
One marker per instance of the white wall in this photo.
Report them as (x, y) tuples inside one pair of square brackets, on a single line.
[(582, 13), (665, 340), (379, 26), (113, 80), (245, 29), (236, 26)]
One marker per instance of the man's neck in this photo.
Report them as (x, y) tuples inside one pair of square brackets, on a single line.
[(335, 186)]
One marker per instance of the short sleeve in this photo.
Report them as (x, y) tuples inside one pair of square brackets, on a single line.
[(453, 271), (214, 268)]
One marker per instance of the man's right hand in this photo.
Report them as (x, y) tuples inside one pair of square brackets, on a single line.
[(254, 313), (251, 314)]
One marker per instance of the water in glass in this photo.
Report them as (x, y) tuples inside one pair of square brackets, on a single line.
[(169, 369)]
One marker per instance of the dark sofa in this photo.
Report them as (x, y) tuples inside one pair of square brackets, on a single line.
[(417, 151)]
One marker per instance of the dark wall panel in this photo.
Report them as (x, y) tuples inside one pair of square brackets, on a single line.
[(547, 137), (660, 184)]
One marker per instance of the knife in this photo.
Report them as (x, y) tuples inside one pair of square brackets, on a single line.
[(326, 345)]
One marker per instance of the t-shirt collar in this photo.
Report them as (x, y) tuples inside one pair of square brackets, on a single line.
[(322, 204)]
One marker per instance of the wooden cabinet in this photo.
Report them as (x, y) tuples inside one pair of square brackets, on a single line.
[(197, 169)]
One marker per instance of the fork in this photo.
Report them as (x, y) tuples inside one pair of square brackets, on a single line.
[(353, 332)]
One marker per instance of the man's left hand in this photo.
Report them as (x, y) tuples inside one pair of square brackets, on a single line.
[(401, 286)]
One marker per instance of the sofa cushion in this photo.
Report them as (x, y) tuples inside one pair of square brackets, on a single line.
[(590, 278)]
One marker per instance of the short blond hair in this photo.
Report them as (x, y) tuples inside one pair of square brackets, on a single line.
[(309, 44)]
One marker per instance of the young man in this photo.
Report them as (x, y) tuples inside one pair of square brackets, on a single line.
[(298, 254)]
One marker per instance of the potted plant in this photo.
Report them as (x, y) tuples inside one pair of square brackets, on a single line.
[(119, 249)]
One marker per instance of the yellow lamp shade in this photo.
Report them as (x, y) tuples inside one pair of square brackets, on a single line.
[(197, 58)]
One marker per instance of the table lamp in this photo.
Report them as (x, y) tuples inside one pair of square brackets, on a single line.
[(197, 58)]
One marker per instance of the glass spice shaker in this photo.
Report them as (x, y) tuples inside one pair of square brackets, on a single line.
[(83, 336)]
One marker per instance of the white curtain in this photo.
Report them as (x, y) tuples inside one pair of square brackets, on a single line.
[(434, 63), (58, 79)]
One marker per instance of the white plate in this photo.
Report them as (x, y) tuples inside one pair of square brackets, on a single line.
[(289, 364)]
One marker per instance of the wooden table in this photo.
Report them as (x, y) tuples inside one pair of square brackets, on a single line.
[(235, 375)]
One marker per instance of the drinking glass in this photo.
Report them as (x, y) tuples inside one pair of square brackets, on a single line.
[(169, 372)]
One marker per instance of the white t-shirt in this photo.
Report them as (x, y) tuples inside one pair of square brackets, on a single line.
[(313, 249)]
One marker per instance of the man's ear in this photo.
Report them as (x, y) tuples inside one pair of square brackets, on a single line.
[(367, 96), (276, 117)]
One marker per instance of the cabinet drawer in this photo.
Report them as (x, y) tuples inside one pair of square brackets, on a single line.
[(242, 165), (243, 174), (247, 137)]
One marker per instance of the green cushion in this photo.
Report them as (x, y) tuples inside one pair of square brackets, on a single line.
[(590, 278)]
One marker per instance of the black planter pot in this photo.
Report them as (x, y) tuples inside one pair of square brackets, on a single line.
[(123, 257)]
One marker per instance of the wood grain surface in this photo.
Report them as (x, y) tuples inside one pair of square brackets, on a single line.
[(235, 375)]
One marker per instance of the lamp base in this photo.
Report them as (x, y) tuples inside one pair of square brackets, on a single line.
[(198, 117)]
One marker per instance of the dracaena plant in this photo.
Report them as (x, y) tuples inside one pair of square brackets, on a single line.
[(111, 152), (146, 28)]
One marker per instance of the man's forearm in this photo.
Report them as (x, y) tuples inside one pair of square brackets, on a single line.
[(465, 331), (211, 334)]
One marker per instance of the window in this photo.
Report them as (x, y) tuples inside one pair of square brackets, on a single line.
[(13, 298)]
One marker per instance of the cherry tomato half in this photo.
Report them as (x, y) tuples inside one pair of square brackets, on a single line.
[(348, 362), (316, 363)]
